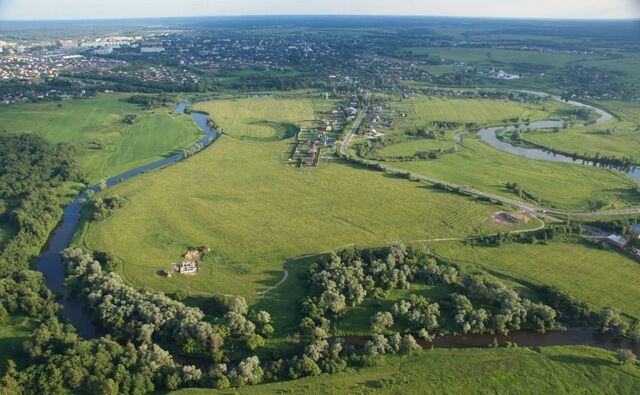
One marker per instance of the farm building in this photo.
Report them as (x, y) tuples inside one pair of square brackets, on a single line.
[(617, 241), (187, 267)]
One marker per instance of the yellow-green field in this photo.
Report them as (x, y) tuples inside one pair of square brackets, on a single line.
[(420, 110), (156, 133), (412, 147), (263, 118), (253, 209), (624, 140), (548, 370), (567, 186), (601, 278)]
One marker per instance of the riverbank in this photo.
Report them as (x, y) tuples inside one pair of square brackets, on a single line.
[(50, 262)]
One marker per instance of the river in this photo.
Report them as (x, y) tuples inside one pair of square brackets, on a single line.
[(489, 136), (50, 262)]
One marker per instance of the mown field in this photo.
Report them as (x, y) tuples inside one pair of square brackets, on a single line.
[(106, 145), (254, 210), (548, 370), (13, 332), (601, 278), (412, 147), (263, 119), (567, 186), (421, 110), (623, 141)]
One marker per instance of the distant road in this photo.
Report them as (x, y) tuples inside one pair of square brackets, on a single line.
[(344, 147)]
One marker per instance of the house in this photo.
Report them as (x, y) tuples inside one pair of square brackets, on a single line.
[(187, 267), (617, 241), (635, 231)]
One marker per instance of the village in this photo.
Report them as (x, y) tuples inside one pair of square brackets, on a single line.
[(315, 143)]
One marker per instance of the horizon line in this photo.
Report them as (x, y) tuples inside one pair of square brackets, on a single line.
[(610, 19)]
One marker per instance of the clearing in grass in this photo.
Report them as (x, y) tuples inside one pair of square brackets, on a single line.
[(14, 331)]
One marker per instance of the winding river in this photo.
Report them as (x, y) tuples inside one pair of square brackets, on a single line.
[(50, 262), (489, 136)]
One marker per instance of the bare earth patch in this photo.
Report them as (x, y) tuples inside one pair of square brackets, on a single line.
[(505, 218)]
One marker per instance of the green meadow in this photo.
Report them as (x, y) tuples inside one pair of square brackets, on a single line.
[(419, 111), (14, 331), (500, 57), (263, 119), (547, 370), (601, 278), (6, 233), (566, 186), (243, 199), (106, 145), (413, 146), (617, 138)]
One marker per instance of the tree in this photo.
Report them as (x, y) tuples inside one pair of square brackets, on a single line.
[(381, 321), (409, 344), (263, 317), (625, 356), (254, 341), (611, 321)]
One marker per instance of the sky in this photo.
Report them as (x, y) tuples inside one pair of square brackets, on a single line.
[(107, 9)]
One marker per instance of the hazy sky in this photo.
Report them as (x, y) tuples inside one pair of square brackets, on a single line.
[(98, 9)]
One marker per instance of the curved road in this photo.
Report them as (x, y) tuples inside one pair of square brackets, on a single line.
[(287, 262)]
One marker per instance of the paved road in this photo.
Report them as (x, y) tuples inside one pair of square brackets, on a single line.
[(344, 147)]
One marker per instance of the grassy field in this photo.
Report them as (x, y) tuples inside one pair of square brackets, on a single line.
[(84, 123), (420, 111), (624, 141), (263, 119), (501, 57), (601, 278), (13, 332), (550, 370), (412, 147), (567, 186), (6, 232), (243, 200)]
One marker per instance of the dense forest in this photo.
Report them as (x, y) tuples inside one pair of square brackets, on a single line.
[(31, 171)]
